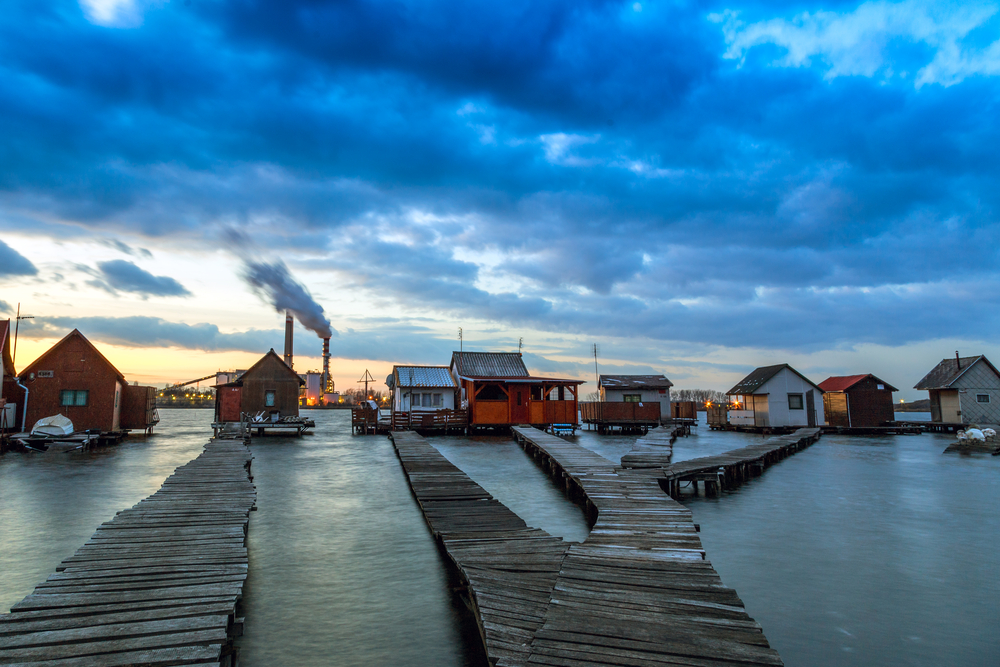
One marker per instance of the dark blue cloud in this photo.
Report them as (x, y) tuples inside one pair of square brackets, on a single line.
[(619, 171), (13, 263), (119, 275)]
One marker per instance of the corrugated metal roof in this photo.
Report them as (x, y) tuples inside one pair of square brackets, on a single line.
[(845, 382), (635, 382), (944, 374), (751, 383), (423, 376), (489, 364)]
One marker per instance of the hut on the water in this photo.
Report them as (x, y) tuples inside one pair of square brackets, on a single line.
[(11, 396), (773, 396), (74, 379), (636, 389), (270, 386), (497, 390), (424, 397), (963, 390), (857, 400)]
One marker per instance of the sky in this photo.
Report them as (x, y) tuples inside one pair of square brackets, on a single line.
[(697, 188)]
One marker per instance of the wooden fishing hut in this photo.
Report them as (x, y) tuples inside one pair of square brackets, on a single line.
[(266, 395), (424, 397), (775, 397), (498, 391), (963, 390), (857, 401), (74, 379), (11, 395), (628, 402)]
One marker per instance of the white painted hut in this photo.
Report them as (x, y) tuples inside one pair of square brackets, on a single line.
[(776, 396), (963, 390), (422, 388)]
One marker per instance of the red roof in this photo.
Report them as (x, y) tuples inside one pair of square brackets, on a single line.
[(845, 382)]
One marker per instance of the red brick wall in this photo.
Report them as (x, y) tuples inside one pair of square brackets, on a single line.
[(74, 365)]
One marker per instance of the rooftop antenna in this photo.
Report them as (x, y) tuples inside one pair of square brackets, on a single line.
[(460, 341), (17, 325), (596, 374), (520, 344), (366, 378)]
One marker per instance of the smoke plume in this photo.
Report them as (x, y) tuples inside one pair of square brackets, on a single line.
[(273, 283)]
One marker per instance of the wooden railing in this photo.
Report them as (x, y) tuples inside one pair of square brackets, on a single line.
[(598, 412), (436, 419)]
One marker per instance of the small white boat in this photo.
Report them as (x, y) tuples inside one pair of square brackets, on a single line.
[(56, 426)]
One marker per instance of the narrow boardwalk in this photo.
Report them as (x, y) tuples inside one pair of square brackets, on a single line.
[(156, 585), (638, 591), (655, 449), (508, 568), (735, 467)]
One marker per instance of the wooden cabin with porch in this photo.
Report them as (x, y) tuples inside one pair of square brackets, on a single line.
[(269, 389), (775, 397), (74, 379), (857, 401), (498, 391)]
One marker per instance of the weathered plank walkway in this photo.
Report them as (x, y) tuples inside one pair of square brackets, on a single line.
[(655, 449), (156, 585), (508, 568), (735, 467), (638, 590)]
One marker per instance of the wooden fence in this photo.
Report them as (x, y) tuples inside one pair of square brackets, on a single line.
[(619, 413), (436, 419)]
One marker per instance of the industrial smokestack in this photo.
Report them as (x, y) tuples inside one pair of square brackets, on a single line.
[(326, 384), (289, 327)]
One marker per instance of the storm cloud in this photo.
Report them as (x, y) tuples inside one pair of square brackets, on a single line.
[(794, 177)]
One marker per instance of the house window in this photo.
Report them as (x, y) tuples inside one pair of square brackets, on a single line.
[(557, 394), (632, 398), (881, 387), (425, 400), (437, 400), (795, 402), (491, 392), (982, 398), (536, 392), (73, 397), (269, 398)]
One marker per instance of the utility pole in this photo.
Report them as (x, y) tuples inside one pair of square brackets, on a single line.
[(597, 376), (366, 379), (17, 325)]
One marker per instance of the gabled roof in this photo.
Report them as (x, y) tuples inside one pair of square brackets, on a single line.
[(949, 370), (75, 333), (423, 376), (489, 364), (238, 382), (845, 382), (759, 377), (634, 382)]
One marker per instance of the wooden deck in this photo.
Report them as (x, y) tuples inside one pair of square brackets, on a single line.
[(157, 585), (735, 467), (638, 591), (508, 569), (656, 449)]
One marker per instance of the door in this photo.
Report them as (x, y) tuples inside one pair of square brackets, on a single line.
[(229, 404), (519, 404), (811, 408), (761, 416)]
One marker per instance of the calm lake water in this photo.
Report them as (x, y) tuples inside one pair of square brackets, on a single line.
[(854, 551)]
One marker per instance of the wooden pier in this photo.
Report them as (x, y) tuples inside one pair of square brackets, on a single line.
[(157, 585), (656, 449), (507, 568), (734, 467), (638, 590)]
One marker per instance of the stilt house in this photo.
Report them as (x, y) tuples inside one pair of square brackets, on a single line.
[(963, 390), (645, 389), (74, 379), (497, 390), (857, 400), (776, 396), (269, 386), (424, 397)]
